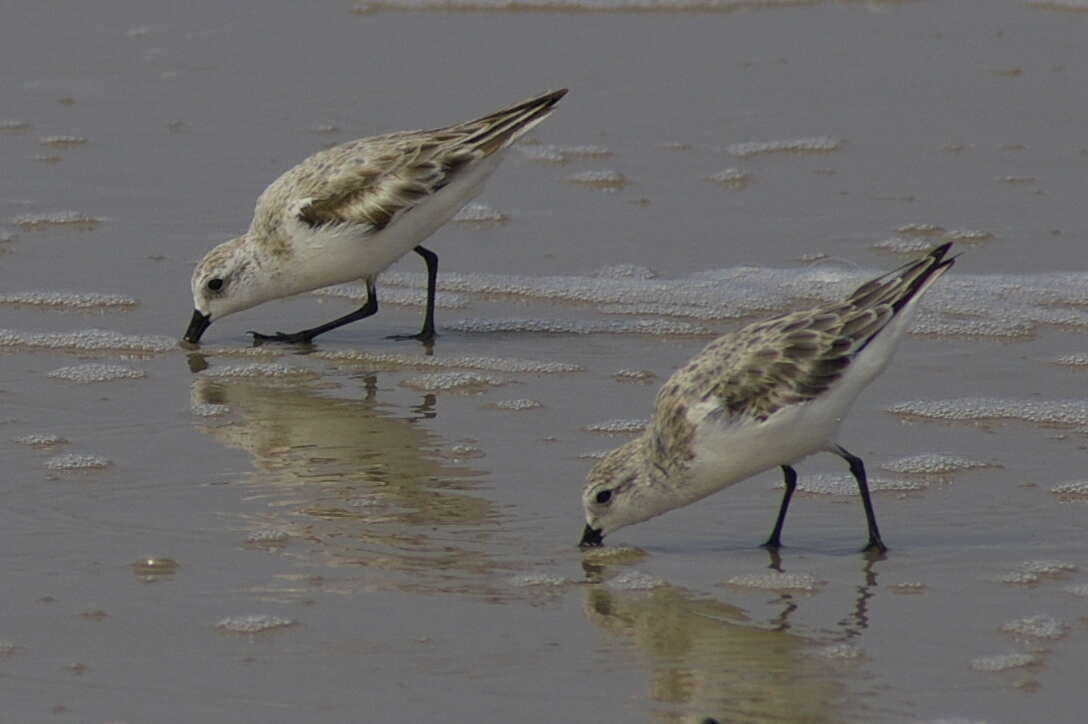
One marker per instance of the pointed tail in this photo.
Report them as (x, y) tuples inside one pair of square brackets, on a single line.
[(899, 286), (498, 130)]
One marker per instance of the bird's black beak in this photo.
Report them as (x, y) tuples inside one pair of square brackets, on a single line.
[(591, 538), (197, 325)]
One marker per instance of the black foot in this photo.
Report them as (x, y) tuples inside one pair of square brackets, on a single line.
[(876, 547), (775, 560), (297, 338), (424, 337), (771, 544)]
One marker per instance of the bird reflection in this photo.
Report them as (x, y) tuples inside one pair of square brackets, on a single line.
[(851, 625), (362, 479), (855, 623), (707, 664)]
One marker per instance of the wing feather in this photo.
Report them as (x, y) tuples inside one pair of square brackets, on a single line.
[(390, 183), (371, 182), (751, 374)]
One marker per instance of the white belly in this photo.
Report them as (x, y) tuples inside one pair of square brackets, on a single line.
[(728, 453)]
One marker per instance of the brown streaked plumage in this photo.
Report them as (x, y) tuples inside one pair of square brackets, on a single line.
[(348, 212), (764, 396)]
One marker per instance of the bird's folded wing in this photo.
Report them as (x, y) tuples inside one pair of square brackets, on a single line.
[(372, 189)]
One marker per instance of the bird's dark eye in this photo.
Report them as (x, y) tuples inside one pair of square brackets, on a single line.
[(215, 284), (604, 496)]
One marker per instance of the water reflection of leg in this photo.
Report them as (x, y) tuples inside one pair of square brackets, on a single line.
[(594, 572), (197, 362), (781, 622), (858, 620), (776, 560), (425, 410)]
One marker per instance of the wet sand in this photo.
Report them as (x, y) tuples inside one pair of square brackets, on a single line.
[(364, 531)]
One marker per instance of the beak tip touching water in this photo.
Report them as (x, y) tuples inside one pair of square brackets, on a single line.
[(591, 537), (197, 325)]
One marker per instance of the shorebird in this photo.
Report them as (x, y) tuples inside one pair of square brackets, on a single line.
[(766, 395), (350, 211)]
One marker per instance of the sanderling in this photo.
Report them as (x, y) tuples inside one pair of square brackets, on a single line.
[(343, 214), (766, 395)]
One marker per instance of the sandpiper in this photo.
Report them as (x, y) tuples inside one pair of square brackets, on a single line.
[(766, 395), (350, 211)]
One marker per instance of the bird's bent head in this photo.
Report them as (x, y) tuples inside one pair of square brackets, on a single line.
[(223, 282), (619, 491)]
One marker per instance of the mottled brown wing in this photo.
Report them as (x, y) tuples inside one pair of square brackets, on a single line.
[(373, 188), (754, 372), (749, 375), (372, 181), (758, 370), (792, 359)]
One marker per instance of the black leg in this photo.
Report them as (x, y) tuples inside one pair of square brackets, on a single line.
[(306, 335), (857, 469), (427, 333), (790, 475)]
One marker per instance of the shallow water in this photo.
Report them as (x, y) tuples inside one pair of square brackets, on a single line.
[(365, 531)]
